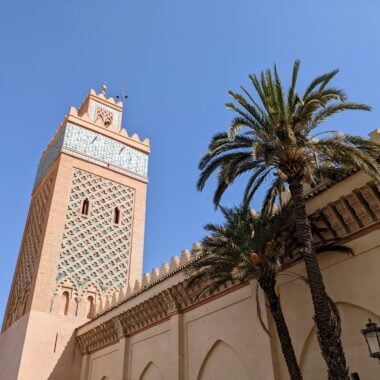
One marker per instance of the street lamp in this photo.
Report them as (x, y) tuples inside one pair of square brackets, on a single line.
[(372, 337)]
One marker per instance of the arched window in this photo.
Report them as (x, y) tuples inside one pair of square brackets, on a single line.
[(90, 307), (85, 207), (65, 298), (116, 215)]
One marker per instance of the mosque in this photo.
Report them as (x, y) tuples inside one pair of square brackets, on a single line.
[(80, 308)]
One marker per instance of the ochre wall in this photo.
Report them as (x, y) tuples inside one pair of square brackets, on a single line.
[(221, 339), (352, 282), (40, 346), (11, 345)]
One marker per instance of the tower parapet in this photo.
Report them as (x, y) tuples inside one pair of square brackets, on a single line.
[(94, 133)]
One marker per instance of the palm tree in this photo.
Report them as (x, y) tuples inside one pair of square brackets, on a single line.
[(276, 138), (247, 246)]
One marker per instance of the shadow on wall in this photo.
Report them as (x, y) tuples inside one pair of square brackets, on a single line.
[(68, 365), (151, 372), (354, 319), (223, 363)]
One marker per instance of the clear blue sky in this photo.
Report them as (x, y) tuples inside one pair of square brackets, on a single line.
[(178, 58)]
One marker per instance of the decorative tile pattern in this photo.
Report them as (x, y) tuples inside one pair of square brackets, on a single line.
[(100, 110), (29, 251), (50, 156), (95, 251), (105, 149), (96, 148)]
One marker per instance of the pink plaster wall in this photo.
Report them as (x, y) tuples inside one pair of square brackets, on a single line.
[(11, 345)]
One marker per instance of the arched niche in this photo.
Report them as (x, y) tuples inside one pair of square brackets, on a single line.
[(354, 318), (222, 363), (151, 372), (90, 307), (65, 302)]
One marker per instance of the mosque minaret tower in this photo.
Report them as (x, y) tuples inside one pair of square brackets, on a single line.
[(83, 239)]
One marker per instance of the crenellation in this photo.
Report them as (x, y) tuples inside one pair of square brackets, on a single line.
[(196, 249), (135, 137), (155, 275), (185, 257), (164, 269), (174, 263), (146, 279), (73, 111)]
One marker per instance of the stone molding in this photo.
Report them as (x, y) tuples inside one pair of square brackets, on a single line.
[(156, 309), (151, 311)]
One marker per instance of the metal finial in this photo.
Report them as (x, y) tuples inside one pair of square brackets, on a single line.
[(123, 91), (104, 88)]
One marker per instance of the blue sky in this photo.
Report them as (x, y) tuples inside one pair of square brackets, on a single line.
[(179, 59)]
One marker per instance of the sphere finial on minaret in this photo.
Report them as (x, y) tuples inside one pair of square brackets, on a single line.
[(104, 88)]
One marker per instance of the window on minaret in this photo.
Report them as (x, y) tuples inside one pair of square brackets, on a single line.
[(116, 215), (85, 207)]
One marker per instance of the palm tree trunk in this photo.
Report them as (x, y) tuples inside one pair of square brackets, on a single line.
[(328, 331), (268, 285)]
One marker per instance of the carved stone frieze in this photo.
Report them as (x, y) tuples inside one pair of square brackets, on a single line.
[(349, 214), (102, 335)]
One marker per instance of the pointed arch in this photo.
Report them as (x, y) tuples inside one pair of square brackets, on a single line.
[(67, 284), (151, 372), (222, 362), (354, 318)]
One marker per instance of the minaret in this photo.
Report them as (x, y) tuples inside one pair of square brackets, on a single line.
[(83, 239)]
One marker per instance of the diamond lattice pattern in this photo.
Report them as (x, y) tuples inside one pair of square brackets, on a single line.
[(30, 250), (95, 251)]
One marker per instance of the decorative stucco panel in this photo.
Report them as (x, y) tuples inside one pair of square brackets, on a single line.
[(29, 252), (108, 114), (95, 251)]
